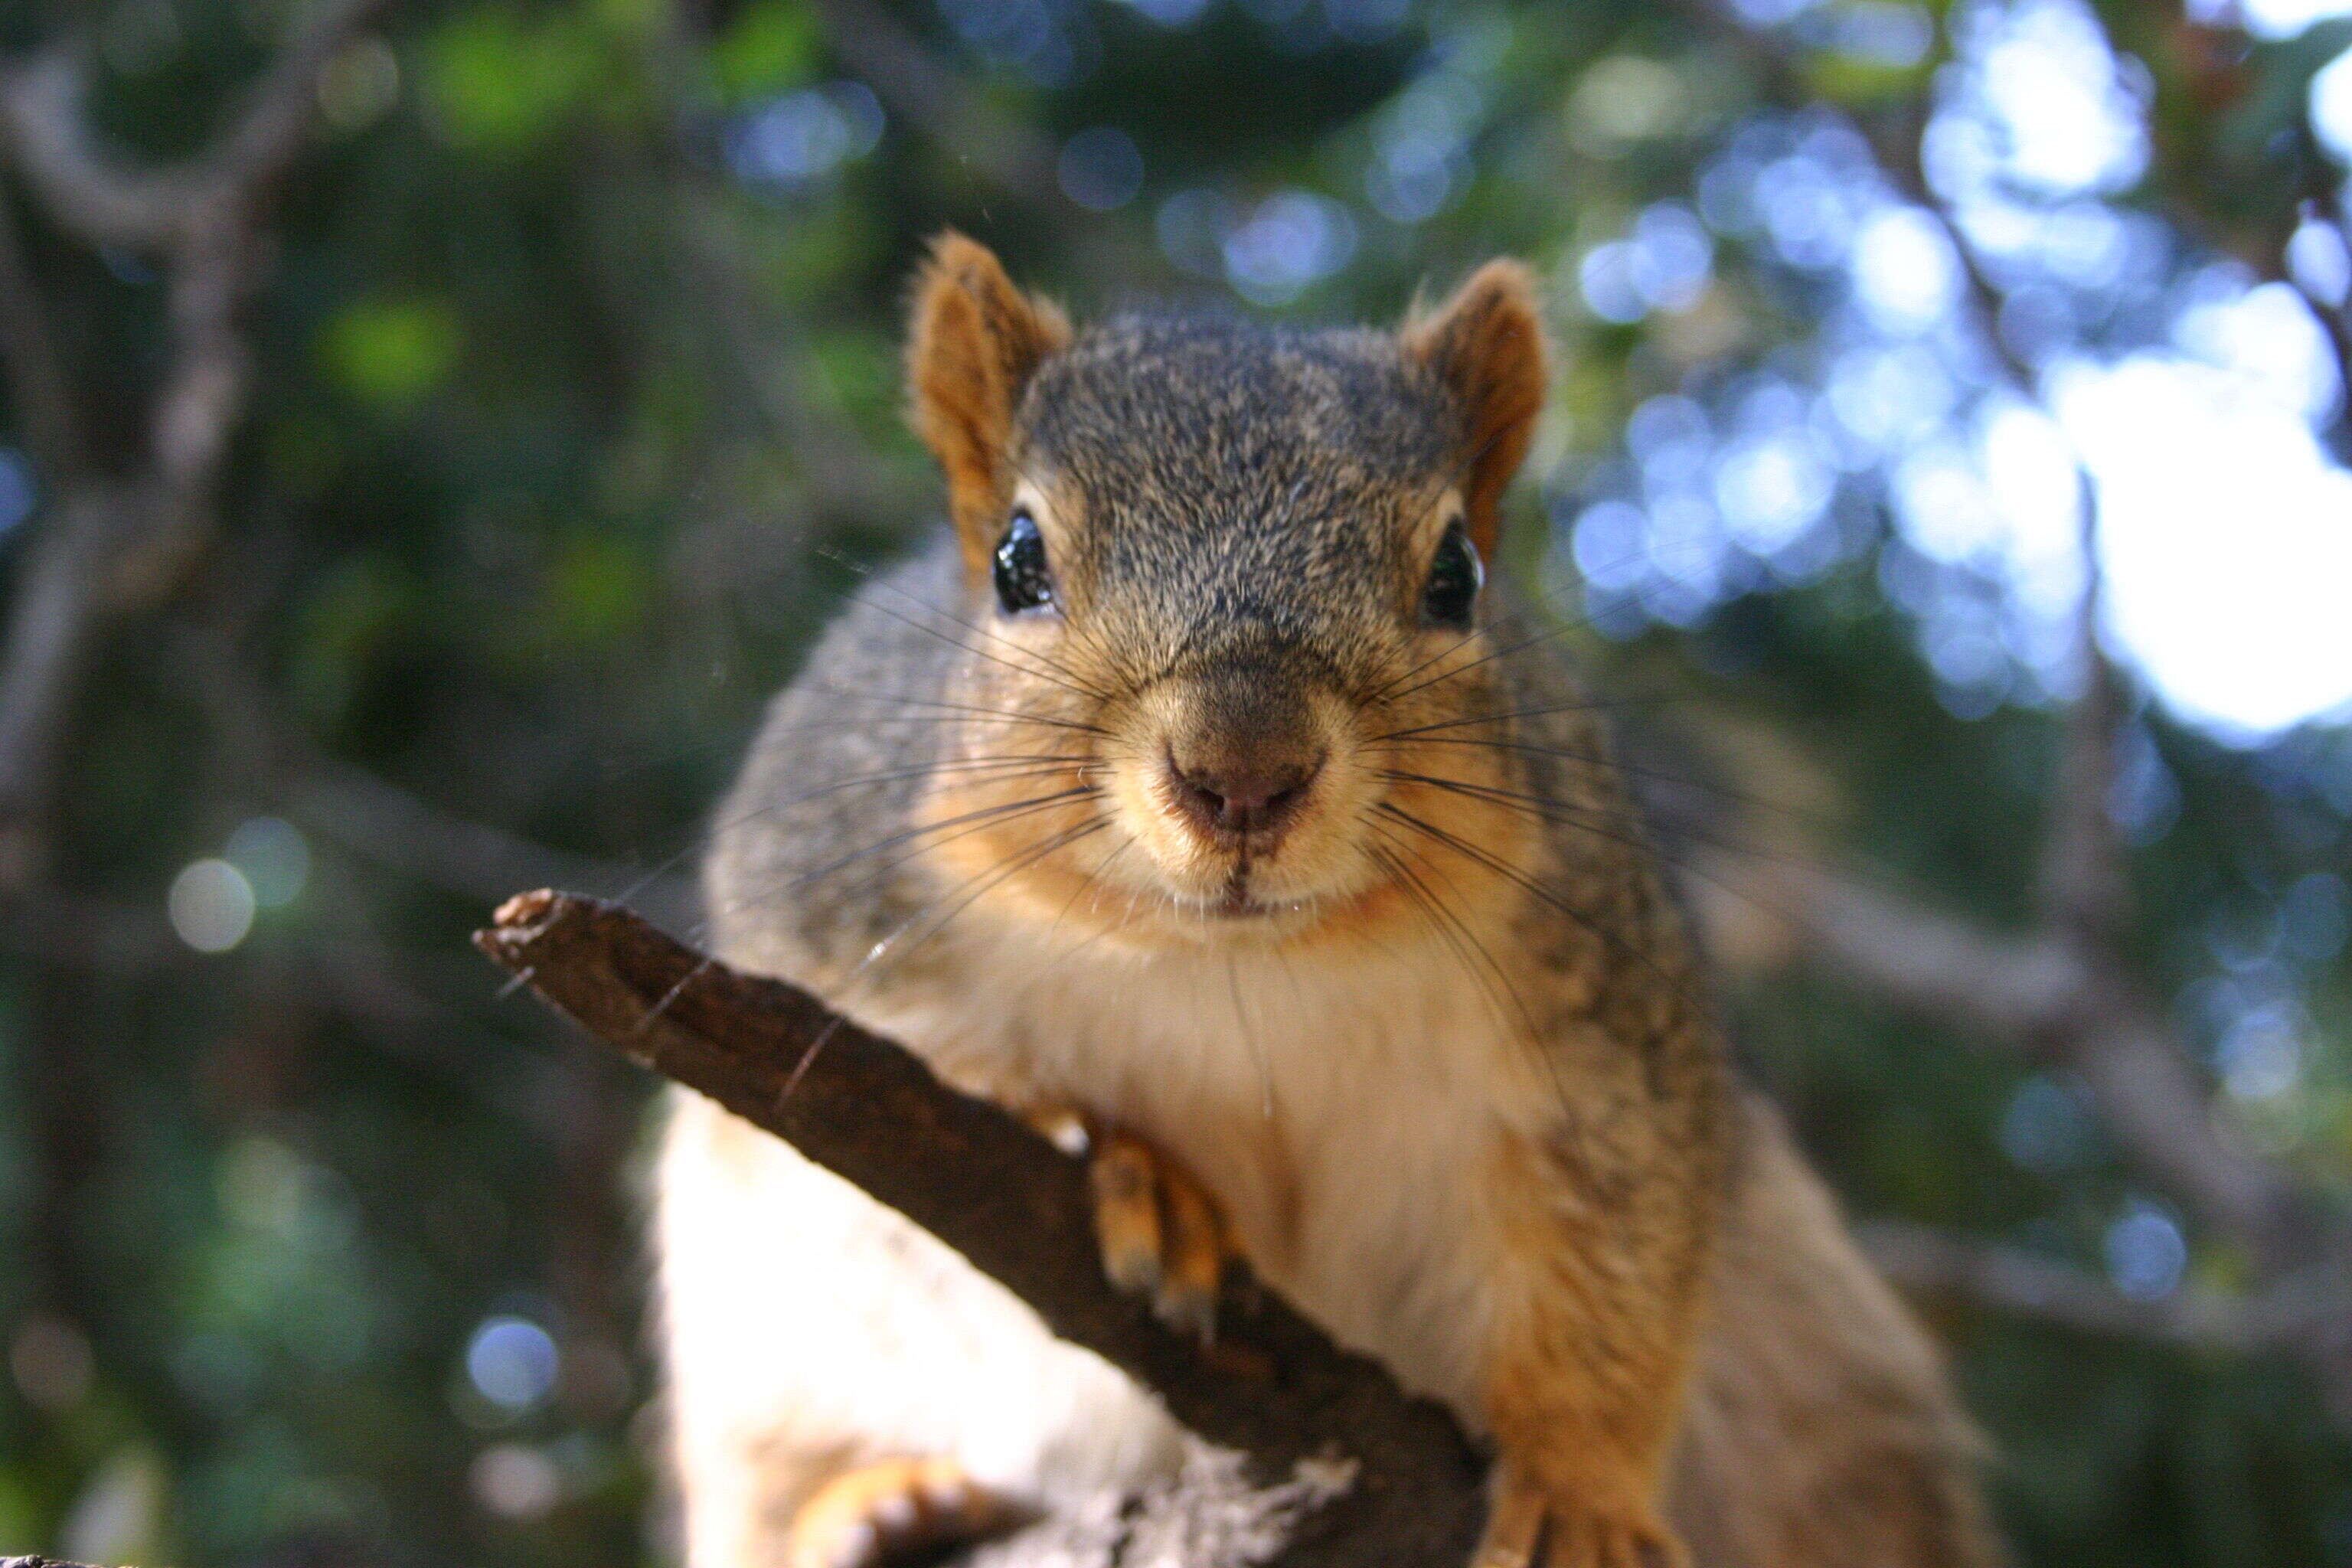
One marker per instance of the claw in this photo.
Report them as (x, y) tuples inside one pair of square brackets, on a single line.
[(881, 1513), (1527, 1527), (1161, 1235)]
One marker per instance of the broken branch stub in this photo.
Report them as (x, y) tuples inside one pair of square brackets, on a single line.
[(1279, 1391)]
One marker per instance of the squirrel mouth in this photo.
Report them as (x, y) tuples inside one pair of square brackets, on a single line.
[(1234, 899), (1235, 902)]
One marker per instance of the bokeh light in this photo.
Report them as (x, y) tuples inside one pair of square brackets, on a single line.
[(1100, 169), (2146, 1253), (274, 857), (512, 1362), (210, 905), (515, 1481)]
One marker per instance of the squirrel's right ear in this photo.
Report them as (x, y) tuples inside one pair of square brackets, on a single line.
[(977, 340), (1486, 346)]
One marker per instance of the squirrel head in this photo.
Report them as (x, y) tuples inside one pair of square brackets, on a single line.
[(1221, 579)]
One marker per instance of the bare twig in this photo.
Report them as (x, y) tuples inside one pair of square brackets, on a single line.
[(2067, 991), (915, 83), (1927, 1262), (107, 204), (86, 192), (386, 825), (108, 544), (1280, 1392)]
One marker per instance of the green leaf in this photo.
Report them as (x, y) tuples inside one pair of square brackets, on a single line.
[(501, 87), (769, 48), (595, 590), (390, 353)]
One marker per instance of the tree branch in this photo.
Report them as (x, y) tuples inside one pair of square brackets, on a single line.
[(108, 545), (2084, 885), (106, 204), (1927, 1262), (53, 614), (1278, 1389), (915, 83), (385, 824), (2067, 991), (38, 392)]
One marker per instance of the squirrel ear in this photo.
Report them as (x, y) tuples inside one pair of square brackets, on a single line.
[(1485, 345), (976, 341)]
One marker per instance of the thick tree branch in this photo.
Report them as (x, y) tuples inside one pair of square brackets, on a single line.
[(1278, 1390), (2066, 992), (2034, 996)]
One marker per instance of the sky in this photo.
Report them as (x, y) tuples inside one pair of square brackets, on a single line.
[(2224, 527)]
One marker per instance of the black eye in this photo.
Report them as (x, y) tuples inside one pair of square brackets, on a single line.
[(1023, 581), (1455, 578)]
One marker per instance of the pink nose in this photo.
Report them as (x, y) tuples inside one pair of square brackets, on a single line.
[(1233, 800)]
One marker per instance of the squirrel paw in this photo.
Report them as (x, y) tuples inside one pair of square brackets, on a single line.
[(1162, 1234), (1527, 1530), (886, 1511), (1590, 1541)]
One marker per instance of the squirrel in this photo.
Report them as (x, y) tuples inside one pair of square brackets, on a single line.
[(1197, 795)]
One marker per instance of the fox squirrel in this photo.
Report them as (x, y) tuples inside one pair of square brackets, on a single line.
[(1197, 797)]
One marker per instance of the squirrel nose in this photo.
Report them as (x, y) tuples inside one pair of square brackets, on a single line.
[(1231, 799)]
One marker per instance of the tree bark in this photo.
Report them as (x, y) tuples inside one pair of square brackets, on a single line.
[(1329, 1462)]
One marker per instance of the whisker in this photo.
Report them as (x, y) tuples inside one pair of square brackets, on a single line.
[(1454, 931), (1568, 816), (1071, 678), (1089, 882), (920, 603), (953, 708), (1250, 1038), (860, 975), (1583, 705), (1536, 891), (1011, 771), (984, 817), (1033, 674), (1532, 1035), (1605, 766), (1013, 866), (1380, 693), (1626, 819)]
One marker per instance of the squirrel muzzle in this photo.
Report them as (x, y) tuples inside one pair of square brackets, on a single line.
[(1243, 758), (1237, 784)]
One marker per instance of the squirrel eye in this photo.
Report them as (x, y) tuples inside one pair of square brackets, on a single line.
[(1022, 580), (1455, 578)]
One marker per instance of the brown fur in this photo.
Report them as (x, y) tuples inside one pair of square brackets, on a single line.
[(976, 341), (1486, 344), (1569, 1224)]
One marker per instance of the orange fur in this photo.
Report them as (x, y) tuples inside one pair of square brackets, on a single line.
[(975, 342), (1486, 344), (1430, 1054)]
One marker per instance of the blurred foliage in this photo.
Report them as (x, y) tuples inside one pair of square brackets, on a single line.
[(578, 407)]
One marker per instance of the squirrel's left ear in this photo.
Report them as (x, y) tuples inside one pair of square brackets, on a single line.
[(1486, 346), (976, 341)]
